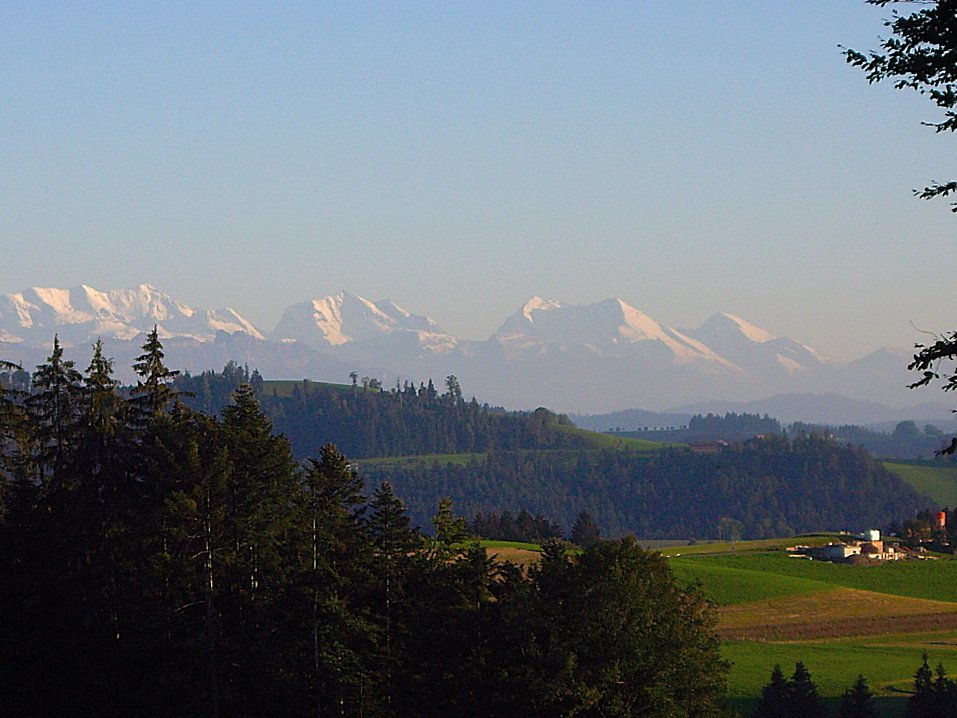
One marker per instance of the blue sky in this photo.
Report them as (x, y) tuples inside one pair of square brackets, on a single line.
[(459, 158)]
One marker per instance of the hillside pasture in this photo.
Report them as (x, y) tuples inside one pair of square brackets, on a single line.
[(931, 579), (936, 481), (726, 586), (394, 462), (835, 613), (598, 440), (841, 620), (750, 547)]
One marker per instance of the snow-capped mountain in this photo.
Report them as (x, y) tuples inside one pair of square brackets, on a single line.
[(570, 357), (753, 348), (342, 319), (611, 328), (83, 314)]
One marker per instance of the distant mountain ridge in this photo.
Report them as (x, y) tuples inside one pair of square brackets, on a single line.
[(82, 314), (586, 358)]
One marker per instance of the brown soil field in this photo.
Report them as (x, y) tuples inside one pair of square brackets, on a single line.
[(521, 556), (843, 612)]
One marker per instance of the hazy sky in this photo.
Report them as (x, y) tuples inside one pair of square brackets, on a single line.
[(460, 157)]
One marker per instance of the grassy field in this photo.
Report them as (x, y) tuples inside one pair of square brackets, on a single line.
[(935, 580), (598, 440), (840, 620), (393, 462), (722, 547), (887, 662), (938, 482)]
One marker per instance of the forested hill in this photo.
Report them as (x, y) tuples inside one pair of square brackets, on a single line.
[(488, 461), (771, 486), (364, 420)]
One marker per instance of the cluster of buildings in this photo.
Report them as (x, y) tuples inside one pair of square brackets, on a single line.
[(868, 546)]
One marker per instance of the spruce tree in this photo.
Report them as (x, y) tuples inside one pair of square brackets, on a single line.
[(858, 701), (337, 632), (803, 699), (153, 392), (396, 543), (54, 404), (448, 530), (774, 701), (258, 493), (922, 703), (585, 531)]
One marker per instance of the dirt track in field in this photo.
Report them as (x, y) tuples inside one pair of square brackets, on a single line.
[(843, 612)]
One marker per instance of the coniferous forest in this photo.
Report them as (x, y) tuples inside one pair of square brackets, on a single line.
[(530, 461), (159, 561)]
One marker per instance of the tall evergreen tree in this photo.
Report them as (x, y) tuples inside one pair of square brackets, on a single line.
[(585, 531), (922, 703), (338, 633), (396, 543), (774, 701), (153, 392), (54, 404), (803, 699), (258, 494), (858, 701)]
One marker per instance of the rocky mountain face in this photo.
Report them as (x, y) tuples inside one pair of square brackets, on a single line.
[(587, 358)]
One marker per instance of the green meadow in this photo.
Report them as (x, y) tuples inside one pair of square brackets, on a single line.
[(931, 579), (841, 620), (938, 482)]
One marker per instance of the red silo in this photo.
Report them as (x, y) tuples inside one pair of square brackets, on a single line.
[(940, 519)]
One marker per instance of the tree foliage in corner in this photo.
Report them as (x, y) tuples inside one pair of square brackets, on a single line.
[(919, 55)]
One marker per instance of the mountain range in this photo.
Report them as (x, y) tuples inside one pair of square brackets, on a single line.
[(585, 358)]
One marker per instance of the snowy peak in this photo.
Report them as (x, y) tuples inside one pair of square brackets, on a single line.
[(82, 314), (343, 318), (538, 304), (724, 323), (610, 328), (754, 348)]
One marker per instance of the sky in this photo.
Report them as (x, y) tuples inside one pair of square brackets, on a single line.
[(459, 158)]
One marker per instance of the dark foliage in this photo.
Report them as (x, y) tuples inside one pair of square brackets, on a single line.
[(506, 527), (858, 701), (364, 421), (906, 441), (934, 694), (585, 531), (155, 561), (794, 697), (773, 486)]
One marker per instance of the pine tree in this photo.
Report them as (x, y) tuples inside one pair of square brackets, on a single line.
[(774, 701), (395, 544), (922, 703), (802, 694), (54, 404), (337, 630), (448, 529), (585, 531), (858, 701), (153, 392)]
